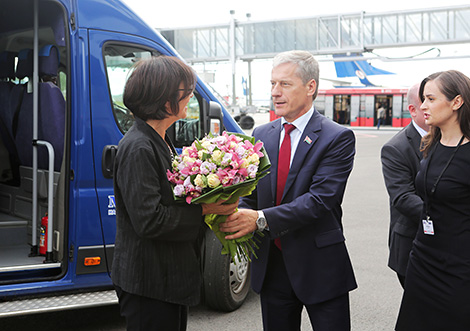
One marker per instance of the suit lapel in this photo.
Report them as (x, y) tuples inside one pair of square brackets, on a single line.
[(307, 141), (271, 145), (415, 139)]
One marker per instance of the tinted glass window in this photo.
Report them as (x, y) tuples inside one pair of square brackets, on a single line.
[(119, 60)]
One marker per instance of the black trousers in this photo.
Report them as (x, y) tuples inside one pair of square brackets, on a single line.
[(147, 314), (282, 310)]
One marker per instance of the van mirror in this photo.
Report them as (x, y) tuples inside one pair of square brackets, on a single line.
[(216, 118)]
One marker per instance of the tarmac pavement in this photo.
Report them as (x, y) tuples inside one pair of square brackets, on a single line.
[(374, 304)]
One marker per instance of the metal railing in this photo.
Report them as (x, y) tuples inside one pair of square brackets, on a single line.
[(342, 33)]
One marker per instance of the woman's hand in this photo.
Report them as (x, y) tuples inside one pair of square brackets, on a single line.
[(219, 208)]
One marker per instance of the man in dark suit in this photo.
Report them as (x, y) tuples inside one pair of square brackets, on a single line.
[(400, 163), (302, 258)]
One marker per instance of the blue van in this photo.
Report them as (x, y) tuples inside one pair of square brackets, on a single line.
[(63, 66)]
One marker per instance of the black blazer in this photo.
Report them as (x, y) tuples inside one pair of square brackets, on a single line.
[(400, 163), (308, 221), (155, 253)]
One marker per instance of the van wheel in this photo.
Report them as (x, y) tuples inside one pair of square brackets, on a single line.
[(226, 284), (247, 122)]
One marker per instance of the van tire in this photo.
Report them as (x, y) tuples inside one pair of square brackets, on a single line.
[(226, 285), (247, 122)]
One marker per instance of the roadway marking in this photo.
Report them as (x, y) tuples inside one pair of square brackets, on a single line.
[(366, 135)]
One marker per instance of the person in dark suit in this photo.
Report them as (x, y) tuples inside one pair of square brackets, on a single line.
[(302, 257), (156, 270), (400, 158)]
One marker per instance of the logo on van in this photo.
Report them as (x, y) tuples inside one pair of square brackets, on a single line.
[(111, 205)]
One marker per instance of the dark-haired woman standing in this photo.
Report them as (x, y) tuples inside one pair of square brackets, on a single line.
[(156, 269), (437, 287)]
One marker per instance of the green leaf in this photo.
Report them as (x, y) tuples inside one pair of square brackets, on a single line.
[(198, 145), (205, 156), (264, 162)]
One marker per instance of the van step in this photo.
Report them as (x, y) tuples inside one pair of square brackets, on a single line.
[(14, 223), (29, 267), (56, 303)]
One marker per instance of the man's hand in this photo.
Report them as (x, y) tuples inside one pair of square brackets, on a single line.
[(240, 223)]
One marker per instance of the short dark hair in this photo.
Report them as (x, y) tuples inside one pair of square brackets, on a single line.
[(451, 83), (154, 82)]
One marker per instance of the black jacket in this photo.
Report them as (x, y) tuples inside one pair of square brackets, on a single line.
[(156, 253), (400, 164)]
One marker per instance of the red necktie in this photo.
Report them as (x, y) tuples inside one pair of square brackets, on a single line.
[(283, 166)]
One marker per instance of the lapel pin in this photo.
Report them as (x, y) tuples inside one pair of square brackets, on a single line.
[(308, 140)]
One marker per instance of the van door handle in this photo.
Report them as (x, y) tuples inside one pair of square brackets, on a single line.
[(107, 160)]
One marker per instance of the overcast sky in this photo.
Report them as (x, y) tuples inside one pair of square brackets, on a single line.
[(180, 13), (184, 13)]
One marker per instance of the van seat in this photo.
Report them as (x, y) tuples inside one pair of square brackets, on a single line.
[(51, 114), (51, 107)]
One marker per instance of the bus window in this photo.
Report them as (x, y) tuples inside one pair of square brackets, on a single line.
[(386, 102), (342, 109)]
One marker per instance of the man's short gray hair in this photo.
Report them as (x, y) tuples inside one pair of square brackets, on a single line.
[(307, 66)]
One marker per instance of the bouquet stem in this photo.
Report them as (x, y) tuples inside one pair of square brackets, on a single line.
[(240, 248)]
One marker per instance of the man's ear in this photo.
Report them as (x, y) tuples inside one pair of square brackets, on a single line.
[(311, 86), (412, 110)]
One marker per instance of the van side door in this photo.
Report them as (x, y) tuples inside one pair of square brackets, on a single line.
[(112, 57)]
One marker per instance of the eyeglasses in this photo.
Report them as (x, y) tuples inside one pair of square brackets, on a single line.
[(190, 90)]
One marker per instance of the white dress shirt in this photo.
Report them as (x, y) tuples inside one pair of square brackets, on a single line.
[(420, 130), (295, 134)]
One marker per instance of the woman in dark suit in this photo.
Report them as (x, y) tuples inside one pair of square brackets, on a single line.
[(156, 270), (437, 286)]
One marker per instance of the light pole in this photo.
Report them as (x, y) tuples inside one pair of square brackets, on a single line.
[(232, 56)]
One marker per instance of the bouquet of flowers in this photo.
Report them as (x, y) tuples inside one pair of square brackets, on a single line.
[(220, 167)]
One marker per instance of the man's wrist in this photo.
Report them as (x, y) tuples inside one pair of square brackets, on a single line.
[(261, 221)]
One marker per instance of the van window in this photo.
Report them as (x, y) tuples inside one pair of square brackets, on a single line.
[(62, 82), (119, 60), (189, 128)]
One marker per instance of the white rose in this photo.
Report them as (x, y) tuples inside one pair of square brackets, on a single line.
[(217, 156), (213, 180), (244, 164), (188, 159), (254, 158), (199, 181)]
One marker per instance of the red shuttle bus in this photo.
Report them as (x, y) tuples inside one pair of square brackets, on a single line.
[(358, 106)]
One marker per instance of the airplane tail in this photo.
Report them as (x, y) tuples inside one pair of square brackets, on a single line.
[(357, 68)]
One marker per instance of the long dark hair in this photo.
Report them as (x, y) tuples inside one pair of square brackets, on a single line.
[(451, 83), (156, 81)]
